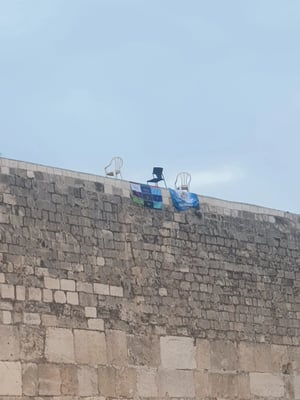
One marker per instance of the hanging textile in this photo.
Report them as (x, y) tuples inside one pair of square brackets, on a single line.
[(146, 195), (183, 200)]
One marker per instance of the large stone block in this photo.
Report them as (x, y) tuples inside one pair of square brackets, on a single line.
[(49, 380), (116, 343), (262, 357), (10, 344), (176, 383), (144, 350), (10, 379), (59, 345), (244, 386), (202, 387), (30, 379), (279, 358), (246, 356), (90, 347), (69, 380), (126, 382), (223, 385), (266, 385), (87, 381), (32, 343), (177, 352), (147, 382), (297, 387), (223, 355), (294, 357), (255, 357), (203, 354), (107, 381)]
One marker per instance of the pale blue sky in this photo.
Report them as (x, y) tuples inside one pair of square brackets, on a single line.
[(210, 87)]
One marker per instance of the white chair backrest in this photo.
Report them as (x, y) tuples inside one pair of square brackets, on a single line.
[(114, 167), (183, 180)]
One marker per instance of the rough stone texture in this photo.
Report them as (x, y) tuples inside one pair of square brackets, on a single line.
[(177, 352), (87, 381), (266, 385), (103, 299), (107, 381), (176, 383), (126, 382), (116, 348), (90, 347), (59, 345), (10, 379), (10, 345), (147, 385), (69, 380), (49, 380), (30, 379)]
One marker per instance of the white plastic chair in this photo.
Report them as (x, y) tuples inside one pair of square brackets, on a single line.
[(183, 180), (114, 167)]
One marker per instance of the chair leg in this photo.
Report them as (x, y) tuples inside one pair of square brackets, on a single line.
[(165, 183)]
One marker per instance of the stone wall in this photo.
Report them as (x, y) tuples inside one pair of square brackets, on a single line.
[(103, 299)]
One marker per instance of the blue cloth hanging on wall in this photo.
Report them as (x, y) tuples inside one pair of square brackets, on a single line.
[(183, 200)]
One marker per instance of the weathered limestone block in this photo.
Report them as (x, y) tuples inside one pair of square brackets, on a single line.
[(10, 378), (294, 357), (96, 324), (51, 283), (296, 382), (90, 312), (266, 385), (7, 291), (177, 352), (279, 358), (223, 355), (67, 284), (6, 317), (90, 347), (49, 380), (49, 320), (10, 345), (223, 385), (87, 381), (60, 297), (176, 383), (126, 382), (31, 318), (34, 294), (72, 298), (30, 379), (244, 386), (116, 291), (203, 356), (144, 350), (101, 288), (107, 381), (69, 380), (116, 343), (59, 345), (255, 357), (32, 343), (20, 293), (202, 387), (147, 382)]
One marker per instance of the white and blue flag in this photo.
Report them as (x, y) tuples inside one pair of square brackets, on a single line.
[(183, 200)]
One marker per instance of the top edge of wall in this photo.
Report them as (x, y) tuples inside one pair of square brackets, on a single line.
[(122, 187)]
